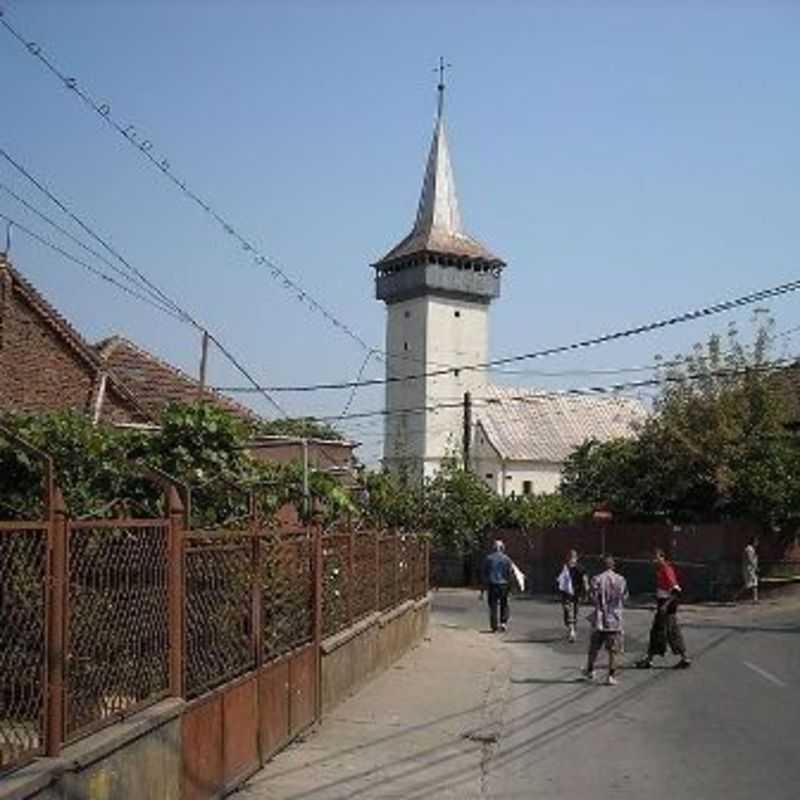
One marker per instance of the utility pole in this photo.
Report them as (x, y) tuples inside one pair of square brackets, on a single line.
[(203, 362), (306, 493), (467, 429)]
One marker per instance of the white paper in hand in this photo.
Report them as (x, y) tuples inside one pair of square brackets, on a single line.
[(519, 576)]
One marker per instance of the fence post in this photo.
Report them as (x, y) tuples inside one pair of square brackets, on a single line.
[(316, 545), (56, 657), (377, 537), (176, 590)]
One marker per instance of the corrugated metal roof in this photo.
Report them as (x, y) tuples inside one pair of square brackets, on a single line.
[(530, 425)]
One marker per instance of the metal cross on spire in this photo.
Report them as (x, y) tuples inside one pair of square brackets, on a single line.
[(440, 88)]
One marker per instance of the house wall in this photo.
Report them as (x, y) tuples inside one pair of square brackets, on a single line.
[(39, 370), (422, 334), (507, 477), (320, 456)]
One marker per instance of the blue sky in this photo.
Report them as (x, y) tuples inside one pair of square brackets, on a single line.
[(628, 160)]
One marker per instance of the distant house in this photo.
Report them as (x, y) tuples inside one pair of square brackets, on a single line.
[(334, 456), (46, 365), (523, 437)]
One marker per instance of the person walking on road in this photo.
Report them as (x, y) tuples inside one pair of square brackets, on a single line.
[(750, 568), (572, 584), (497, 580), (608, 592), (665, 629)]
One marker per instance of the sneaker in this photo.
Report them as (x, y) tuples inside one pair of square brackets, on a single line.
[(503, 628), (611, 681), (684, 663), (571, 636), (587, 675)]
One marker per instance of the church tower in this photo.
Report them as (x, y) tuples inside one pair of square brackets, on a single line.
[(437, 284)]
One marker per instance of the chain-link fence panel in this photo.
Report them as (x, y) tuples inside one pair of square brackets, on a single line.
[(117, 620), (405, 567), (387, 571), (336, 583), (23, 597), (219, 636), (365, 574), (287, 593)]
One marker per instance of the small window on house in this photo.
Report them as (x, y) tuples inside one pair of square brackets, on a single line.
[(456, 313), (527, 487)]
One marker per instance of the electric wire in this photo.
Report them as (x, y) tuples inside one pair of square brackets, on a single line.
[(166, 298)]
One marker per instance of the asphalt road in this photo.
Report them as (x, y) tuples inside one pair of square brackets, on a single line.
[(729, 727)]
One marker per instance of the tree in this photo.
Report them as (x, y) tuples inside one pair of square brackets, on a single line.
[(715, 446)]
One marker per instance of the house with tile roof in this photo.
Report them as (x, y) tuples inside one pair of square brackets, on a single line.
[(45, 364), (156, 384), (523, 437)]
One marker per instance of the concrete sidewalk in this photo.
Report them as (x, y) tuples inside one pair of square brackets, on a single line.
[(437, 710)]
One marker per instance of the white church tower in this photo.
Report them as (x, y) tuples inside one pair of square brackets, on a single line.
[(437, 284)]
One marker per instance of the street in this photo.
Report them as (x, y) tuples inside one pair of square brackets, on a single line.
[(470, 714), (725, 728)]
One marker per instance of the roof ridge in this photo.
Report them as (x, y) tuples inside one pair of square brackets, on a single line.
[(118, 340), (75, 340)]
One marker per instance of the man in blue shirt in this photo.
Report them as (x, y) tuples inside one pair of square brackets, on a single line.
[(497, 579)]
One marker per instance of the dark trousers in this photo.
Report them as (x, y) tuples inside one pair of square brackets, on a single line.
[(666, 630), (498, 596), (569, 602)]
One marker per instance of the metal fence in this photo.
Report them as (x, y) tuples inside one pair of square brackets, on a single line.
[(23, 642), (367, 572), (99, 618)]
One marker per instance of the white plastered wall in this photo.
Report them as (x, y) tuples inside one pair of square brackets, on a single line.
[(508, 477), (422, 335)]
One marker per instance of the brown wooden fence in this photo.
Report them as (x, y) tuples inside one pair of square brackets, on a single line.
[(100, 618)]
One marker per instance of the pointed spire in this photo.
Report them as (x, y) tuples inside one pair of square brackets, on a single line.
[(438, 202), (438, 227)]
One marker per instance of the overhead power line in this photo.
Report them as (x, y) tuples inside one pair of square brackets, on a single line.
[(147, 149), (166, 299), (615, 388), (99, 273), (637, 330), (99, 256)]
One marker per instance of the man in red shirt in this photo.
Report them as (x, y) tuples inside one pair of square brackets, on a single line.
[(665, 629)]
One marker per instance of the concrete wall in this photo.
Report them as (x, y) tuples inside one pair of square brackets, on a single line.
[(137, 758), (353, 656), (422, 334)]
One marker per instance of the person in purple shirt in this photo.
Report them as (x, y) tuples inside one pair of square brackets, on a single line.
[(608, 593)]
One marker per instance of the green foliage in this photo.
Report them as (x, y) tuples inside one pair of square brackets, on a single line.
[(716, 446), (459, 507), (92, 465), (301, 428)]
